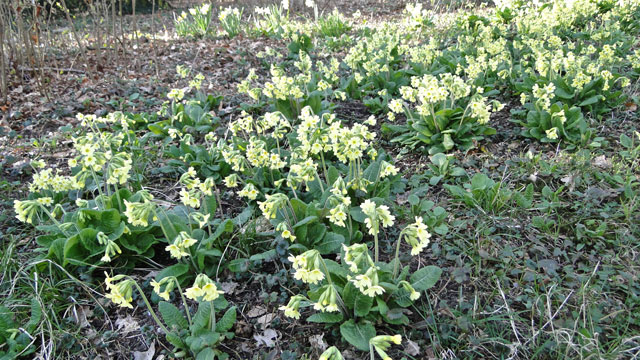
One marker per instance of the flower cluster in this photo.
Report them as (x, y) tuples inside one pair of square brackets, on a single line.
[(194, 189), (307, 267), (368, 283), (381, 344), (111, 248), (376, 216), (120, 293), (138, 213), (203, 289), (544, 95), (180, 245), (417, 236), (292, 308), (340, 202), (164, 287)]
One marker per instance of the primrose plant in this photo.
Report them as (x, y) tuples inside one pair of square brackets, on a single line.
[(442, 113), (360, 290), (197, 336)]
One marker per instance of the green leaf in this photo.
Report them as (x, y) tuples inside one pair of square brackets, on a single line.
[(330, 243), (357, 334), (325, 317), (36, 315), (175, 270), (362, 304), (590, 101), (228, 319), (172, 316), (73, 251), (299, 208), (332, 175), (89, 240), (206, 354), (264, 256), (626, 141), (425, 278), (109, 220), (202, 316), (305, 221), (224, 227), (238, 265), (175, 340)]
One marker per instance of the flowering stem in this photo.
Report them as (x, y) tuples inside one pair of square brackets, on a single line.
[(294, 193), (373, 356), (217, 192), (433, 115), (46, 211), (396, 261), (164, 231), (212, 316), (292, 211), (184, 301), (319, 181), (153, 313), (324, 167), (375, 241), (95, 179), (206, 210), (118, 197), (326, 270)]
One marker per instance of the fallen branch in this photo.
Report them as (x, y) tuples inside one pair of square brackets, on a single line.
[(22, 68)]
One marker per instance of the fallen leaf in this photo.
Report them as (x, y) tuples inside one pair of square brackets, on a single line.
[(127, 325), (80, 316), (268, 338), (602, 162), (317, 342), (257, 311), (411, 348), (265, 320), (145, 355), (229, 287)]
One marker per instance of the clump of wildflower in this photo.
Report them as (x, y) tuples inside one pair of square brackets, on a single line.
[(552, 134), (387, 169), (272, 204), (203, 289), (189, 198), (200, 218), (176, 94), (340, 203), (231, 181), (544, 95), (284, 230), (413, 294), (111, 248), (118, 168)]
